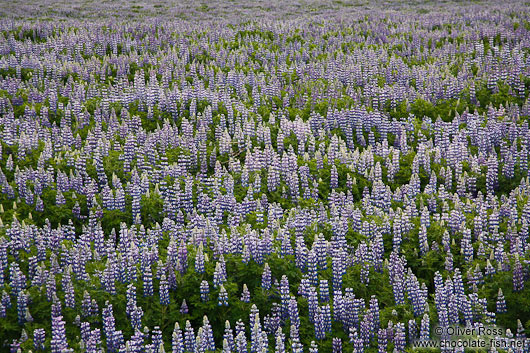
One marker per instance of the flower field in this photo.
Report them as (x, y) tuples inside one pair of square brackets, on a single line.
[(313, 176)]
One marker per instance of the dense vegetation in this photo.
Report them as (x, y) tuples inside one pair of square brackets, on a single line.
[(321, 184)]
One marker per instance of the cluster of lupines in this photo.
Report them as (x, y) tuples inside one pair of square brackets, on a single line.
[(333, 183)]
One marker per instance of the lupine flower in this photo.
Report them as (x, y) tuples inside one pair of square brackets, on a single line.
[(324, 291), (518, 283), (337, 345), (189, 338), (381, 340), (399, 338), (266, 277), (164, 291), (22, 306), (177, 343), (245, 294), (241, 343), (205, 290), (501, 303), (313, 348), (184, 307), (156, 338), (223, 296), (58, 342), (39, 336), (319, 325)]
